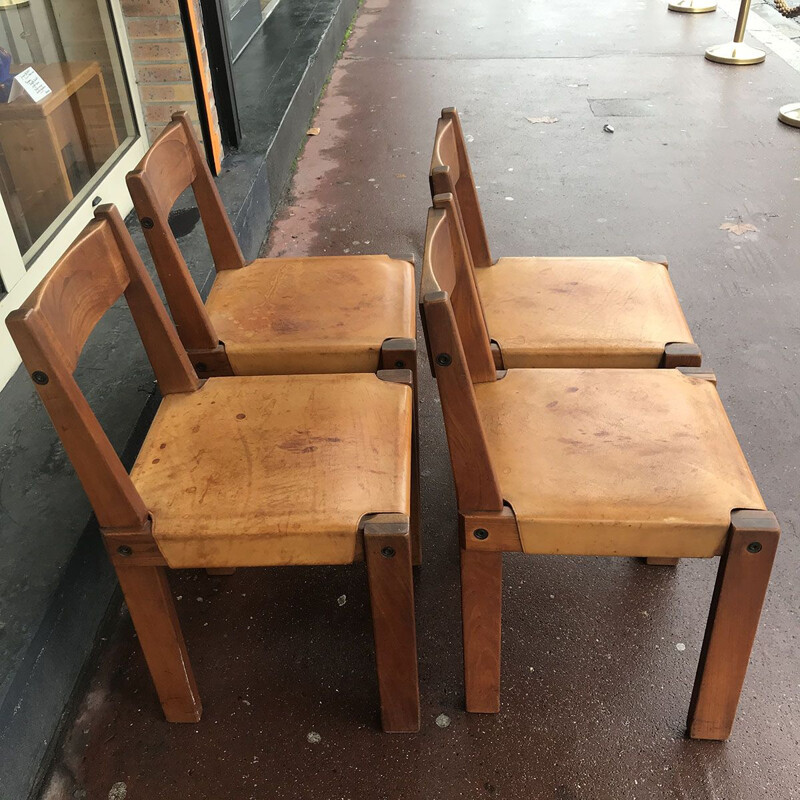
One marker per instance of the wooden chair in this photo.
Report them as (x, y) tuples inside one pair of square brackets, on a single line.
[(622, 462), (274, 316), (562, 312), (236, 471)]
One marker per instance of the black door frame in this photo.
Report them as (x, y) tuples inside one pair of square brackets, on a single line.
[(215, 29)]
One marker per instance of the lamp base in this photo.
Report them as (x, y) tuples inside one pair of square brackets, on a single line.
[(735, 53), (790, 115)]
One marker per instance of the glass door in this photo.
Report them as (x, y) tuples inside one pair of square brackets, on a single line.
[(245, 17), (69, 131)]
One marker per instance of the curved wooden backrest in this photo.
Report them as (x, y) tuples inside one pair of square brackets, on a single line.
[(445, 145), (172, 164), (446, 263), (476, 482), (451, 172), (50, 330)]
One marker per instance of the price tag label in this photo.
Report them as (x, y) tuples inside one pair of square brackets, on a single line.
[(29, 83)]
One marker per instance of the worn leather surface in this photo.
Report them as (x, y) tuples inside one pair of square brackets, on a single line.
[(258, 471), (581, 312), (616, 462), (312, 315)]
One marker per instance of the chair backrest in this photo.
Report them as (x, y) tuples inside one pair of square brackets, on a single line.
[(460, 354), (50, 330), (447, 265), (451, 173), (174, 163)]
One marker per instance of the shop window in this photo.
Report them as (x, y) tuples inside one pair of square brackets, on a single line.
[(65, 110)]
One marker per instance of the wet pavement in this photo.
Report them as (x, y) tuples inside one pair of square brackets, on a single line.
[(598, 654)]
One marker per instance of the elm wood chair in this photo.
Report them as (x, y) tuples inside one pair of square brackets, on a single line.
[(236, 471), (562, 312), (273, 316), (602, 462)]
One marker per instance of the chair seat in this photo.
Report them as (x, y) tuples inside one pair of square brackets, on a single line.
[(258, 471), (581, 312), (312, 315), (616, 462)]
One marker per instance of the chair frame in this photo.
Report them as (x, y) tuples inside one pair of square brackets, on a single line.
[(450, 146), (50, 331), (488, 526)]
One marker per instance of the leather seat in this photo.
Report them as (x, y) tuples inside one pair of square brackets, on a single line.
[(580, 312), (312, 315), (617, 462), (260, 470)]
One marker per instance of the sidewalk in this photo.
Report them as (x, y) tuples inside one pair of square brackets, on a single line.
[(788, 26), (599, 654)]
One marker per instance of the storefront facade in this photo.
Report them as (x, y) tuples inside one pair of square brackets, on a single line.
[(112, 71), (106, 76)]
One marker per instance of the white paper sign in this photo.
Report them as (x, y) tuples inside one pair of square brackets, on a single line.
[(29, 82)]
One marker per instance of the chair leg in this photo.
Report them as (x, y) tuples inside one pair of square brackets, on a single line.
[(149, 600), (676, 354), (739, 592), (416, 533), (402, 354), (387, 547), (481, 606)]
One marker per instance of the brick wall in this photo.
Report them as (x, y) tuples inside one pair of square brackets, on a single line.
[(161, 62)]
